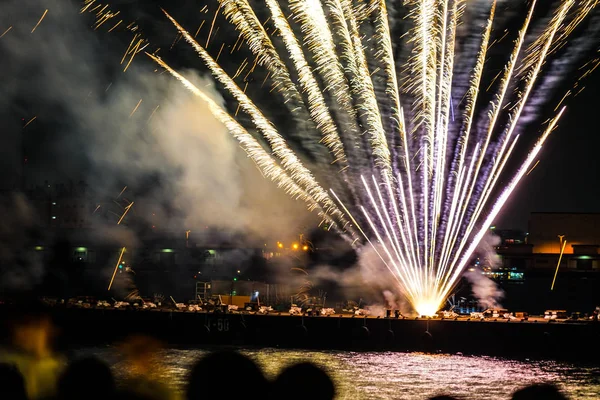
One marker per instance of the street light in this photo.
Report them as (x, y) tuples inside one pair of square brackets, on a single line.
[(295, 246)]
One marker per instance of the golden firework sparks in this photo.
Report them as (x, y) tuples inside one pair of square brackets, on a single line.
[(5, 32), (135, 108), (428, 201), (125, 213), (116, 268), (122, 191), (40, 21), (212, 25), (29, 122)]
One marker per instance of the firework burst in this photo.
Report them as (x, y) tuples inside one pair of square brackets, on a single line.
[(378, 117)]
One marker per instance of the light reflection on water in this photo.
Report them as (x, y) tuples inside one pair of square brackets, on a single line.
[(399, 375)]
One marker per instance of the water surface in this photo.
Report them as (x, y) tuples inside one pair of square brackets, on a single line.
[(390, 375)]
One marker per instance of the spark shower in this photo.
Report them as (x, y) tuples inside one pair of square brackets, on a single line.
[(406, 153)]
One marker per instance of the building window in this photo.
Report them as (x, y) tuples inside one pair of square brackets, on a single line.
[(515, 275)]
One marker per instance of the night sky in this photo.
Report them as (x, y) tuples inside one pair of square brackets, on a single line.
[(565, 179)]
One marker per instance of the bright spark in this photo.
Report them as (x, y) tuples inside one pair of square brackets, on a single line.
[(40, 21), (135, 108), (29, 122), (410, 177), (5, 32)]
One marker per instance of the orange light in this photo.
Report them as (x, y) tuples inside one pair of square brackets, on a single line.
[(304, 247), (280, 245), (295, 246)]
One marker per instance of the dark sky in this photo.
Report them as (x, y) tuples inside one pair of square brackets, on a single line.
[(564, 180)]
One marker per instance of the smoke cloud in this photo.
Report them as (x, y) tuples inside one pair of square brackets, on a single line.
[(20, 266), (198, 169), (486, 291), (138, 128), (368, 280)]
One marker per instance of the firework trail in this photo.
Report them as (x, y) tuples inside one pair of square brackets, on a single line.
[(418, 171)]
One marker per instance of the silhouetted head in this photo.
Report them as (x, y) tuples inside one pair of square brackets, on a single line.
[(303, 381), (87, 378), (226, 375), (539, 391), (128, 394), (12, 385)]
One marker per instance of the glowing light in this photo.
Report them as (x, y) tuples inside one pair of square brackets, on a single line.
[(427, 308), (116, 268), (40, 21), (5, 32), (409, 176), (125, 212), (29, 122)]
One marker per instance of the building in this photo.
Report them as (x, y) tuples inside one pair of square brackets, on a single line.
[(556, 263)]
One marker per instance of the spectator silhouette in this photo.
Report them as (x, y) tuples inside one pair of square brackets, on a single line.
[(303, 381), (87, 378), (30, 349), (539, 391), (226, 375), (12, 384)]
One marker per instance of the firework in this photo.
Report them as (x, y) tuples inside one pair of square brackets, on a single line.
[(413, 179), (116, 268), (40, 21)]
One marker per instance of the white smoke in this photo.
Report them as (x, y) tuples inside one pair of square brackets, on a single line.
[(193, 173), (203, 173), (486, 291), (20, 265), (368, 280)]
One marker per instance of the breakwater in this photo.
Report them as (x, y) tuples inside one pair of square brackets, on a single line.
[(511, 338)]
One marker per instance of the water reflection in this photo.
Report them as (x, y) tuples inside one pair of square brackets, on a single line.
[(397, 375)]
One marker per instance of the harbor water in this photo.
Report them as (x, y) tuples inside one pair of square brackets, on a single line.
[(392, 375)]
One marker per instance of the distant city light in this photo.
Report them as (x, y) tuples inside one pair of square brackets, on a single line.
[(305, 247), (295, 246), (81, 249), (280, 245), (54, 217), (167, 250), (39, 248)]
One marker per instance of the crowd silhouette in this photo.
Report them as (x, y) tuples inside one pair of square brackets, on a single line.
[(30, 370)]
